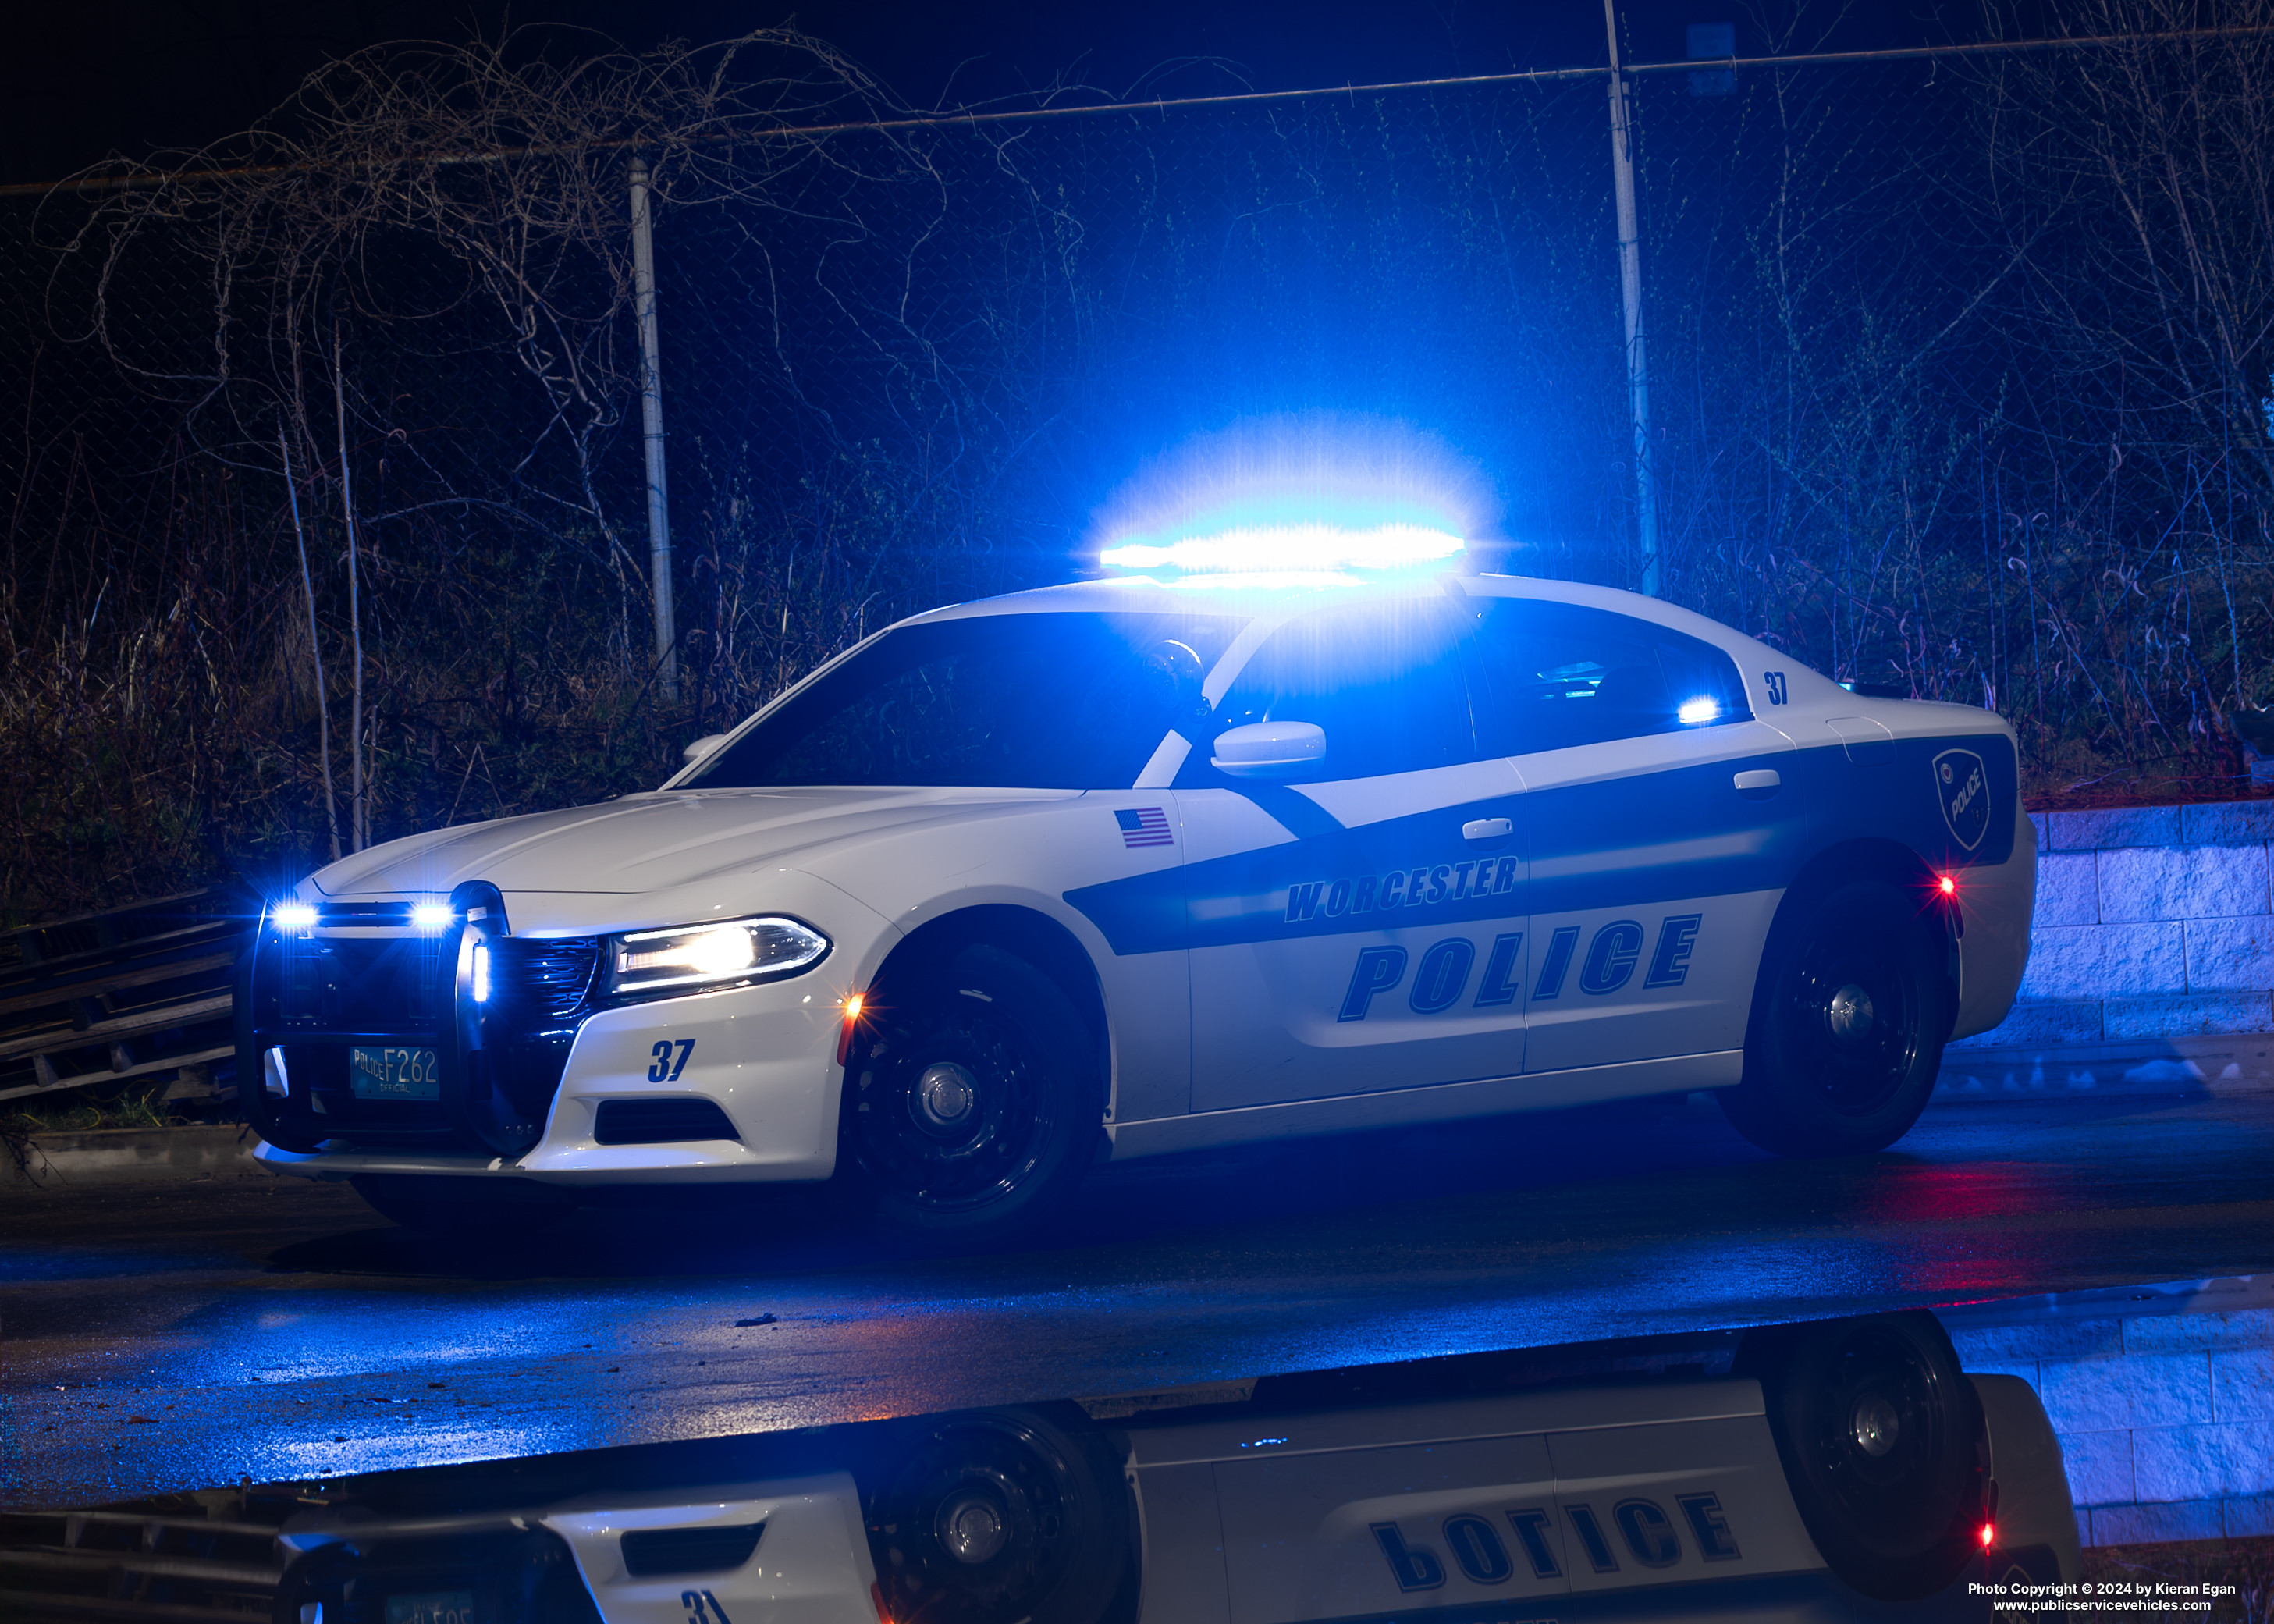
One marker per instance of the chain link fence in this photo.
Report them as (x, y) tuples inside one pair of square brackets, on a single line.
[(327, 504)]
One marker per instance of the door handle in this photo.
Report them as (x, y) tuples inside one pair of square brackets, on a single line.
[(1758, 785), (1488, 828)]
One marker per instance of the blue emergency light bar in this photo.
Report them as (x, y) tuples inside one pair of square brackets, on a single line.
[(1327, 551)]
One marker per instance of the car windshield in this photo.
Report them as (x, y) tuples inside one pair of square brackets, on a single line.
[(1046, 701)]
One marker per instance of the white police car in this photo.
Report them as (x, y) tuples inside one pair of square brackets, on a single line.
[(1126, 866), (1836, 1471)]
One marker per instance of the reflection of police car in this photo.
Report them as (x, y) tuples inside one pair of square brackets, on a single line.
[(1189, 864), (1834, 1471)]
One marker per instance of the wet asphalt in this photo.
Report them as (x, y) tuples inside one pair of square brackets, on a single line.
[(172, 1337)]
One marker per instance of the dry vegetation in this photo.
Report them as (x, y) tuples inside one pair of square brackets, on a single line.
[(327, 522)]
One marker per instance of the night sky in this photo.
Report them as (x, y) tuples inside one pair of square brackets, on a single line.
[(83, 78)]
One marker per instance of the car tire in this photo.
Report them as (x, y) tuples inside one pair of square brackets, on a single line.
[(441, 1205), (1849, 1020), (972, 1109), (1881, 1438), (1001, 1514)]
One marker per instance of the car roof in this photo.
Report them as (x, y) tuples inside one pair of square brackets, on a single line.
[(1278, 600)]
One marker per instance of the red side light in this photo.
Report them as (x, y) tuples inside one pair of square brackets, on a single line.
[(1947, 885), (1989, 1535)]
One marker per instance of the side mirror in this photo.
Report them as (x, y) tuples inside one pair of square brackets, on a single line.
[(703, 745), (1270, 749)]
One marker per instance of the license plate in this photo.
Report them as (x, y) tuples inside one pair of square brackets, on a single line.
[(377, 1074), (437, 1607)]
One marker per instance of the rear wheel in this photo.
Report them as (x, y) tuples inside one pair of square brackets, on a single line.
[(1879, 1432), (973, 1109), (1847, 1026), (1005, 1514)]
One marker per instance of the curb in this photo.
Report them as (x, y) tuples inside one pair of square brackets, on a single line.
[(2158, 1394), (2204, 1068), (2213, 1066), (107, 1156)]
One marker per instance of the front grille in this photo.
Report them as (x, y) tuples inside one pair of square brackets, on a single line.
[(538, 983), (660, 1122), (375, 1575), (364, 983), (316, 996)]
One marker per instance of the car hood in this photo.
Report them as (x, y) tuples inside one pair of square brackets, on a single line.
[(648, 842)]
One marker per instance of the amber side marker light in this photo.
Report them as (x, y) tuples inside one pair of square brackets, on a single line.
[(852, 1006)]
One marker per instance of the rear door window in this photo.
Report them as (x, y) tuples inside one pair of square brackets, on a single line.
[(1554, 675)]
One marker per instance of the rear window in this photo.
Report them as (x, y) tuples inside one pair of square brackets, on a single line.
[(1559, 675), (1049, 701)]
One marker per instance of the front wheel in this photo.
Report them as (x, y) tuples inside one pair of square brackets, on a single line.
[(1847, 1026), (1005, 1514), (972, 1111)]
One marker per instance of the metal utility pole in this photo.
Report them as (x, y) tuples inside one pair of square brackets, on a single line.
[(659, 507), (1630, 286)]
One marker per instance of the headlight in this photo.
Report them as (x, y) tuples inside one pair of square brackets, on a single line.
[(738, 950)]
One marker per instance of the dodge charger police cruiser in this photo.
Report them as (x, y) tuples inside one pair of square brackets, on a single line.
[(1845, 1470), (1134, 865)]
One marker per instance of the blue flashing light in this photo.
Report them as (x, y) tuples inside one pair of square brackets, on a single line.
[(1315, 547), (432, 915), (481, 973), (1694, 712), (293, 916), (1260, 580), (1311, 500)]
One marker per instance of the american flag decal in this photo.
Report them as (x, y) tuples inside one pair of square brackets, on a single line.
[(1145, 826)]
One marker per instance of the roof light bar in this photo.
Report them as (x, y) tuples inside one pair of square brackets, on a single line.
[(1314, 548)]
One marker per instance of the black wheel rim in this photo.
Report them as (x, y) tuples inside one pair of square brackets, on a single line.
[(1884, 1434), (951, 1116), (979, 1525), (1851, 1013)]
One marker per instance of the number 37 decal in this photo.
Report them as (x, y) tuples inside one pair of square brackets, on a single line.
[(1775, 679), (668, 1066)]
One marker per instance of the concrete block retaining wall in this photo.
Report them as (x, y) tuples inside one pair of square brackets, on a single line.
[(2152, 923), (2163, 1397)]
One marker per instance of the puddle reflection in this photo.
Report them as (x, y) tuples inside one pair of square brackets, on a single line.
[(1839, 1469)]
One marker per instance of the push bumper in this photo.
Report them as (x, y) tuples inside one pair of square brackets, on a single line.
[(763, 1057)]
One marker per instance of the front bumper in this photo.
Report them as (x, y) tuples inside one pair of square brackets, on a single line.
[(731, 1086)]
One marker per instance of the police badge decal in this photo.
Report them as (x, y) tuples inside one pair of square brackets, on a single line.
[(1961, 788)]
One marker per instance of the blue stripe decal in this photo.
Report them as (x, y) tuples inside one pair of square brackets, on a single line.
[(1292, 811), (1330, 883), (1663, 837), (1624, 843), (1900, 798)]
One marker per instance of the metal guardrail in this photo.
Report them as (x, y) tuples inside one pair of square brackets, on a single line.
[(128, 993), (139, 1566)]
